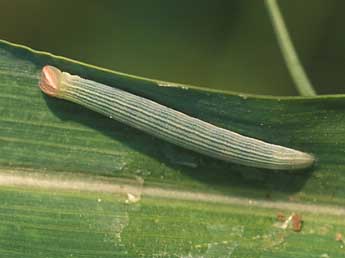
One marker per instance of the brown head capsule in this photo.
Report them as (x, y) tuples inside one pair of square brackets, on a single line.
[(50, 80)]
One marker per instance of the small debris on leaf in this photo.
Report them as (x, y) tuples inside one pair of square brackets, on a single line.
[(294, 221), (297, 222), (281, 217), (339, 237)]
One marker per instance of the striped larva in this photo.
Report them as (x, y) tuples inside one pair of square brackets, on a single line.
[(169, 124)]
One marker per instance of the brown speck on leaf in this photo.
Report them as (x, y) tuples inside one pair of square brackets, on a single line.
[(297, 222), (294, 198), (281, 217), (339, 237)]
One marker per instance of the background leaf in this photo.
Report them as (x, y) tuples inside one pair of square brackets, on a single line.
[(220, 44), (74, 183)]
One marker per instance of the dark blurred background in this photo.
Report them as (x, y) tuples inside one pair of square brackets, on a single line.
[(223, 44)]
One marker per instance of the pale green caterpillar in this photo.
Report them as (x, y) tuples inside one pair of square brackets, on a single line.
[(171, 125)]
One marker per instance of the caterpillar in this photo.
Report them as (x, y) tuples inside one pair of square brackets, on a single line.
[(171, 125)]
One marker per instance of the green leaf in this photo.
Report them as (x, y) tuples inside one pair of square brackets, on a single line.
[(76, 184)]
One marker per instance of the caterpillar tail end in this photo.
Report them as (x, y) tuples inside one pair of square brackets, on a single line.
[(50, 80), (294, 159), (304, 160)]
